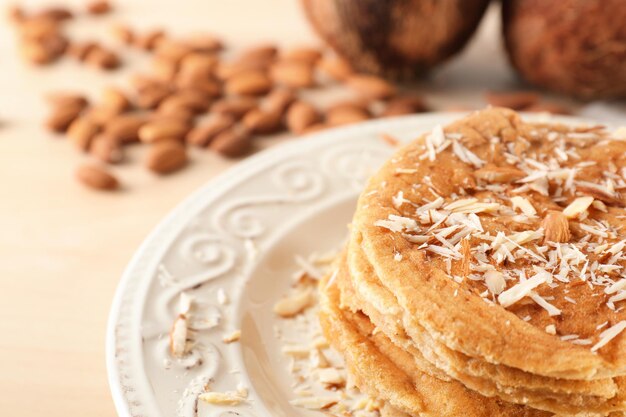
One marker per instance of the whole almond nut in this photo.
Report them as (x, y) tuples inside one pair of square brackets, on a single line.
[(210, 88), (149, 40), (259, 53), (101, 115), (171, 50), (67, 99), (116, 100), (307, 55), (62, 117), (55, 13), (232, 143), (516, 100), (164, 70), (262, 121), (177, 114), (204, 43), (106, 149), (227, 70), (361, 104), (301, 115), (38, 29), (278, 100), (166, 156), (556, 227), (125, 127), (336, 68), (81, 132), (188, 99), (249, 83), (103, 58), (315, 128), (150, 98), (346, 115), (80, 50), (293, 74), (371, 87), (158, 130), (98, 7), (35, 53), (96, 177), (198, 66), (234, 106), (123, 34), (403, 105), (202, 135)]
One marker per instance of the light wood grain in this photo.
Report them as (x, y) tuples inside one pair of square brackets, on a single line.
[(63, 247)]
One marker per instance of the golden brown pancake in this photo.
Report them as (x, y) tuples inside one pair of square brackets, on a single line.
[(396, 381), (464, 177)]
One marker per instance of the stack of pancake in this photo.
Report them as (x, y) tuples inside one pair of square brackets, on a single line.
[(484, 273)]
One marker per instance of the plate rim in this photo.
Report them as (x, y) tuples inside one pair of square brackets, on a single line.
[(221, 181)]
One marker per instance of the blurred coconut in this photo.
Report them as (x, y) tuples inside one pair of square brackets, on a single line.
[(395, 38), (576, 47)]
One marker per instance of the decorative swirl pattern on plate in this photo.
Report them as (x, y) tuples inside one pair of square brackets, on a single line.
[(208, 233)]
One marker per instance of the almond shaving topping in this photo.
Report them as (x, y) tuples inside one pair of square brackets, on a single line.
[(577, 207), (178, 337)]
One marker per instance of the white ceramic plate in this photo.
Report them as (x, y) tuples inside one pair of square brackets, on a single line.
[(239, 235)]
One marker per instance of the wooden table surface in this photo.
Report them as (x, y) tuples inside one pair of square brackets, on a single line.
[(63, 247)]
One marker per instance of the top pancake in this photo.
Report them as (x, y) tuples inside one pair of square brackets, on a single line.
[(457, 220)]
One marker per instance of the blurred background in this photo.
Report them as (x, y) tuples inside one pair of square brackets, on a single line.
[(112, 113)]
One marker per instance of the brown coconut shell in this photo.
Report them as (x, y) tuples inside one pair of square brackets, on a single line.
[(395, 38), (576, 47)]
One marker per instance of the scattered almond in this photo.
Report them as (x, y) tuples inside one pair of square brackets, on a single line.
[(81, 132), (106, 149), (293, 74), (335, 67), (304, 54), (262, 121), (202, 135), (301, 115), (232, 143), (125, 128), (166, 156), (98, 7), (116, 100), (102, 58), (278, 100), (162, 130), (556, 227), (123, 34), (234, 106), (148, 41), (80, 50), (346, 114), (371, 87), (62, 117), (249, 83), (96, 177)]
